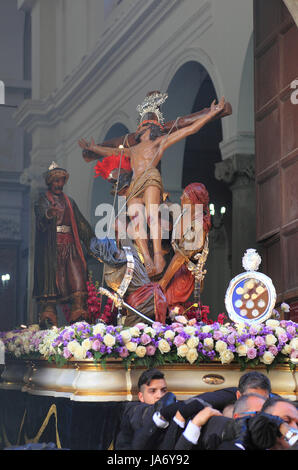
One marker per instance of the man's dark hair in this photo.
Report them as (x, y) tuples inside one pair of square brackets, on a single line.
[(148, 375), (254, 379), (271, 402), (155, 132), (240, 405)]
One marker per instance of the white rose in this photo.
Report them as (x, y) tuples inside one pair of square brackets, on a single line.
[(141, 351), (270, 340), (131, 346), (249, 343), (169, 334), (72, 346), (241, 327), (86, 344), (109, 340), (224, 330), (226, 356), (242, 350), (192, 342), (206, 328), (79, 353), (192, 355), (285, 307), (164, 346), (220, 346), (189, 330), (126, 336), (134, 331), (99, 329), (208, 343), (294, 343), (258, 327), (272, 323), (149, 331), (286, 349), (267, 357), (182, 350), (280, 331)]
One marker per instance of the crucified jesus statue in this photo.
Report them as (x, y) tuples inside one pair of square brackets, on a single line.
[(146, 184)]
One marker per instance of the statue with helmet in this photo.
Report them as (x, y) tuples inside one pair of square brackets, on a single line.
[(60, 268)]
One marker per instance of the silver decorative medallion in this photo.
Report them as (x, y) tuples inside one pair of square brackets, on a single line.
[(251, 296)]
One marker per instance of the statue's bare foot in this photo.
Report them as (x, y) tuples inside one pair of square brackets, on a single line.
[(159, 263)]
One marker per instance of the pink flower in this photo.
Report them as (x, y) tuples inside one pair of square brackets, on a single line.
[(251, 353), (66, 353), (273, 350), (145, 339), (67, 335), (123, 352), (231, 338), (179, 340), (282, 338), (96, 345), (294, 354), (150, 350), (217, 335), (291, 330), (259, 341)]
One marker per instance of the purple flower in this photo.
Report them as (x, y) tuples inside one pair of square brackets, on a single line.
[(123, 351)]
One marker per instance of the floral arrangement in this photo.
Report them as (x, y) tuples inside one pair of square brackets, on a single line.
[(183, 341)]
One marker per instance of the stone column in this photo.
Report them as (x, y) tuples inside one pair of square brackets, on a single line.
[(238, 171)]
